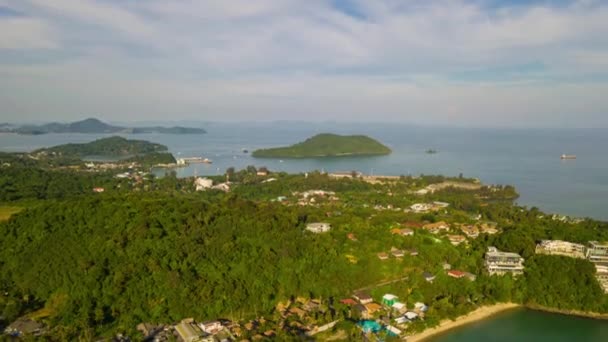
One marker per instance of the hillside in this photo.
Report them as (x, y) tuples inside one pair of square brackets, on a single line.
[(327, 145), (92, 125), (110, 147)]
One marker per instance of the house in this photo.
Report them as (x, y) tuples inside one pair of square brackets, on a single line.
[(372, 308), (410, 315), (437, 227), (446, 266), (500, 263), (400, 307), (413, 252), (389, 299), (456, 239), (262, 172), (470, 276), (489, 228), (363, 297), (211, 327), (348, 301), (188, 331), (558, 247), (99, 190), (397, 253), (361, 311), (382, 256), (421, 207), (428, 276), (401, 320), (470, 231), (23, 327), (402, 231), (597, 252), (225, 187), (440, 205), (297, 311), (318, 227), (202, 184), (456, 274), (393, 330), (421, 307), (351, 237)]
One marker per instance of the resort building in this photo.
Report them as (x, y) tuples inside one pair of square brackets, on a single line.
[(456, 239), (602, 276), (558, 247), (188, 331), (389, 299), (202, 184), (597, 252), (318, 227), (500, 263), (437, 227), (470, 231)]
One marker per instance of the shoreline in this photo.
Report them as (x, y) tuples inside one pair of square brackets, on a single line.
[(575, 313), (473, 316)]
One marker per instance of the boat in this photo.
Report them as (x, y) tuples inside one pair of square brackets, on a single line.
[(568, 156), (431, 151), (245, 151), (207, 161)]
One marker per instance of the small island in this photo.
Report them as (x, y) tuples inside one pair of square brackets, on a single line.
[(327, 145)]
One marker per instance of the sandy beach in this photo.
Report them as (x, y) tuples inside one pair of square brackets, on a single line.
[(473, 316)]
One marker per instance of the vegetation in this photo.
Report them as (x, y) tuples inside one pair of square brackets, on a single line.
[(154, 250), (327, 145), (6, 211), (110, 147), (152, 159)]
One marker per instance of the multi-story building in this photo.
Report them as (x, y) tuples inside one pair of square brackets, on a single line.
[(602, 276), (500, 263), (558, 247), (597, 252)]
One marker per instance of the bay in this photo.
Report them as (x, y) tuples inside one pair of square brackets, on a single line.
[(526, 158), (525, 325)]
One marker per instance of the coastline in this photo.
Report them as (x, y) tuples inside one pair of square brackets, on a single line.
[(473, 316), (576, 313)]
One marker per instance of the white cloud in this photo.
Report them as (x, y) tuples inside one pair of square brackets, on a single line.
[(25, 33), (241, 58)]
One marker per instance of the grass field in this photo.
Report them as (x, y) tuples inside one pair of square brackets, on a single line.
[(7, 211)]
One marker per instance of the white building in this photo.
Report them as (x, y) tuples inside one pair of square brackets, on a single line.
[(558, 247), (318, 227), (500, 263), (202, 184)]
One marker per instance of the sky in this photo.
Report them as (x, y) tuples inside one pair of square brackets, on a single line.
[(512, 63)]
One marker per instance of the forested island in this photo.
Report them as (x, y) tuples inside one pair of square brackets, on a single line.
[(92, 254), (327, 145), (93, 125), (107, 147)]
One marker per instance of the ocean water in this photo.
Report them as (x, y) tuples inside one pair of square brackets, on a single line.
[(526, 158), (529, 326)]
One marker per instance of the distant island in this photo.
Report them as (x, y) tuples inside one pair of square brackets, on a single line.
[(327, 145), (93, 125)]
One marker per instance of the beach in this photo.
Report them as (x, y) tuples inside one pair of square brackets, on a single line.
[(473, 316)]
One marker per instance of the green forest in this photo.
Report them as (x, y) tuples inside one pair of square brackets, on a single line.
[(157, 251)]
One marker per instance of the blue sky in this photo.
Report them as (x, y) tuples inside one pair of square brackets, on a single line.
[(476, 62)]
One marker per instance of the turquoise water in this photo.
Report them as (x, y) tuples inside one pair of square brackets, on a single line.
[(527, 325), (526, 158)]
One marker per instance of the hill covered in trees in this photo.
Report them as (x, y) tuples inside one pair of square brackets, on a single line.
[(107, 147), (93, 264), (327, 145)]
